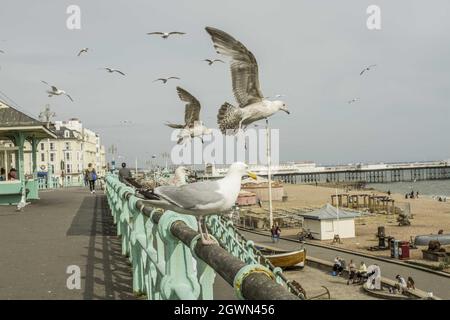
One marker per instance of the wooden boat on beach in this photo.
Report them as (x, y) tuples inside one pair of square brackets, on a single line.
[(283, 258)]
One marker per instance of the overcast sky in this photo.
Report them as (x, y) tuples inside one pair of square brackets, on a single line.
[(310, 51)]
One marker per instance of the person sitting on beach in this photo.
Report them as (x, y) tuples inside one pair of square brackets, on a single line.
[(343, 266), (410, 283), (401, 283), (351, 272), (336, 265), (362, 271)]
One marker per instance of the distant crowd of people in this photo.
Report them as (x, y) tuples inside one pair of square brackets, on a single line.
[(412, 195)]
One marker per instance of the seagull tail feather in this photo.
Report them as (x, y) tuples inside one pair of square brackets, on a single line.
[(228, 118)]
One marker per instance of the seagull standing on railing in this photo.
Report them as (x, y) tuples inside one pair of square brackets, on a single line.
[(202, 198)]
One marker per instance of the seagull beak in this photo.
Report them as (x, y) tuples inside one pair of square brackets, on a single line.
[(252, 175)]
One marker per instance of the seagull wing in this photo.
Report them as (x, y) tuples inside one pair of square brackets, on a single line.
[(208, 60), (192, 110), (118, 71), (157, 32), (160, 79), (45, 82), (218, 60), (361, 73), (55, 89), (191, 196), (176, 32), (68, 96), (174, 126), (173, 78), (244, 68)]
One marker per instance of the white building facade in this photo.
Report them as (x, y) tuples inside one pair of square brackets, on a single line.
[(69, 155)]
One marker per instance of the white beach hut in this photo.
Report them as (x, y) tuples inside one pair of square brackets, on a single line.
[(325, 222)]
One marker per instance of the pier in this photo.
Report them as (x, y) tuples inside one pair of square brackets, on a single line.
[(361, 173)]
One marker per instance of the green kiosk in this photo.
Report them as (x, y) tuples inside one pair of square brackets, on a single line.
[(17, 128)]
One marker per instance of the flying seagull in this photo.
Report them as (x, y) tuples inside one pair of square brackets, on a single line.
[(55, 91), (84, 50), (202, 198), (353, 100), (192, 126), (244, 74), (367, 69), (111, 70), (165, 35), (164, 80), (211, 61)]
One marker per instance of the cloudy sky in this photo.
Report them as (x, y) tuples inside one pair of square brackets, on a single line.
[(310, 51)]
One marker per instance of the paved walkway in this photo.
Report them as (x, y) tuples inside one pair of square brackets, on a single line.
[(66, 227), (426, 281)]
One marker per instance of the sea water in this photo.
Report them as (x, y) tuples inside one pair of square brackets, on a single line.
[(426, 188)]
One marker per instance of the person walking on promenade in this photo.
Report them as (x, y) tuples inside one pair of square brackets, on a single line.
[(91, 175), (124, 172)]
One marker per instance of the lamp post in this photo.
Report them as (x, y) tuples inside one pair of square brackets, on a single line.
[(113, 150), (45, 116)]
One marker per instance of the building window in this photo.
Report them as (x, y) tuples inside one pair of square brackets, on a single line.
[(67, 145), (66, 134), (42, 147), (42, 157), (68, 156), (52, 146), (52, 157), (68, 168)]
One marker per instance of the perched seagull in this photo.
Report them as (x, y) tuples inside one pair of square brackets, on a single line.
[(353, 100), (56, 92), (164, 80), (84, 50), (211, 61), (165, 35), (180, 176), (202, 198), (244, 73), (111, 70), (367, 69), (192, 126)]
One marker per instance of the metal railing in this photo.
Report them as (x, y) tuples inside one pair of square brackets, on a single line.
[(168, 261), (55, 183)]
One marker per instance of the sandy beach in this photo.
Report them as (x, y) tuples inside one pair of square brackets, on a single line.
[(429, 216)]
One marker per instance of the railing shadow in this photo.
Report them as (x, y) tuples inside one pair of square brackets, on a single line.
[(108, 273)]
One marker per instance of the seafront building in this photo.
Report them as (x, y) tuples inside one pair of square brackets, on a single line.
[(69, 154), (64, 156)]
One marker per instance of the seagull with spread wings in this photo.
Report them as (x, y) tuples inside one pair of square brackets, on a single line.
[(367, 69), (56, 92), (211, 61), (244, 75), (111, 70), (164, 80), (193, 126), (165, 35), (84, 50)]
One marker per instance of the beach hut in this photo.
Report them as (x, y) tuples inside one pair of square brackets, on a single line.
[(325, 223)]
